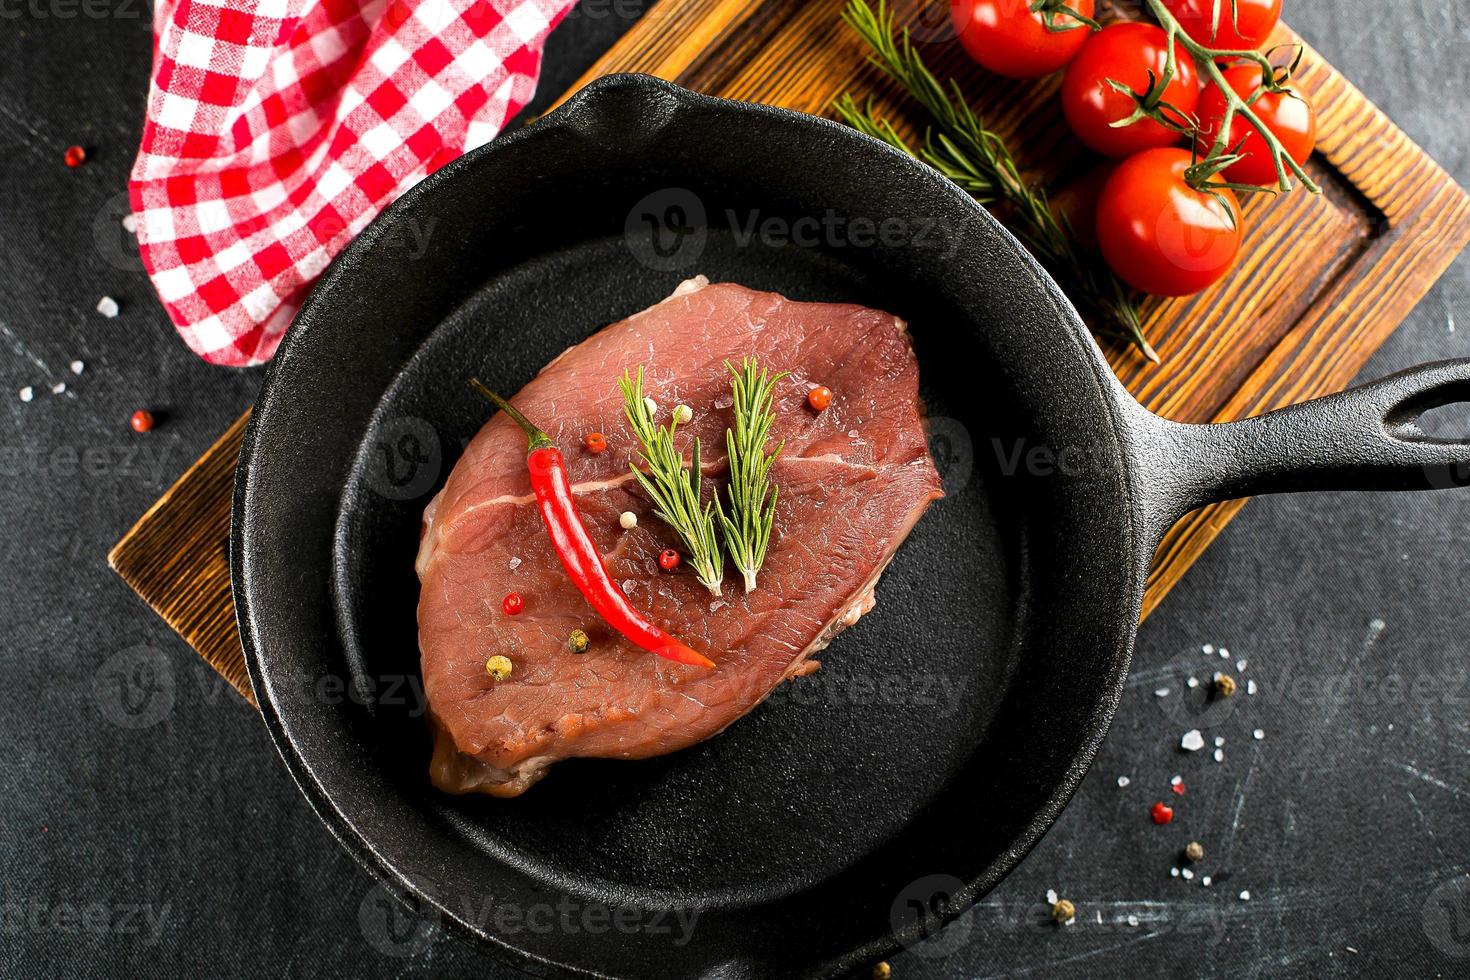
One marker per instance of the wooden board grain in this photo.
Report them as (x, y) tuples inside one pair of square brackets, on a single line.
[(1321, 284)]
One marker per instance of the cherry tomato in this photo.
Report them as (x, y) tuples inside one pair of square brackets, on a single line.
[(1124, 53), (1159, 234), (1010, 39), (1290, 117), (1252, 24)]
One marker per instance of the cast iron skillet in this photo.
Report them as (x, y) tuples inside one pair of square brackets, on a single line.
[(858, 808)]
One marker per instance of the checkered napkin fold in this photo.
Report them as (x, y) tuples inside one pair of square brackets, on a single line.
[(277, 130)]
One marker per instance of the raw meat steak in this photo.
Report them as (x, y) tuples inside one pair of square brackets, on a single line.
[(853, 481)]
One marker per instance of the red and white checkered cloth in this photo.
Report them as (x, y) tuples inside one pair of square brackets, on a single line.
[(277, 130)]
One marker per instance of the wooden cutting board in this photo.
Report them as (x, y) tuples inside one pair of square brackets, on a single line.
[(1321, 284)]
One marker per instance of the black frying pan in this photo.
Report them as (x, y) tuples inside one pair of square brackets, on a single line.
[(858, 808)]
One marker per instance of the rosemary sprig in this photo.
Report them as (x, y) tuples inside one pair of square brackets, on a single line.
[(673, 489), (959, 146), (752, 495)]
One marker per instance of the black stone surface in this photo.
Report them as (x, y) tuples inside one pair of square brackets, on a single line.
[(181, 844)]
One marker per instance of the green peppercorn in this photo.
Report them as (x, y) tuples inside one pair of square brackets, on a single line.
[(498, 667), (577, 641)]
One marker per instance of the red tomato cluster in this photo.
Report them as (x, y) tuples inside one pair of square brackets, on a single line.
[(1156, 231)]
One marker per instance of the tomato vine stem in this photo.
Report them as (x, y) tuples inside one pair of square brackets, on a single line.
[(1205, 60)]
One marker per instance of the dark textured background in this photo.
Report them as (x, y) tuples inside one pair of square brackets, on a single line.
[(166, 848)]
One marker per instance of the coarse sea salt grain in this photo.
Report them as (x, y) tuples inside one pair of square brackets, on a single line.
[(1193, 682), (1133, 920), (1162, 692), (1250, 687), (1219, 740), (59, 388), (1205, 881), (1240, 664), (1051, 896), (515, 563), (77, 367), (107, 306), (1187, 875), (1208, 648), (628, 586), (1123, 781), (1173, 872), (1245, 896), (130, 223), (1219, 755), (27, 393), (1192, 741), (1258, 734), (724, 401), (1176, 780)]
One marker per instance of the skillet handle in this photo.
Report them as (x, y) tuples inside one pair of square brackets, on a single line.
[(1366, 438)]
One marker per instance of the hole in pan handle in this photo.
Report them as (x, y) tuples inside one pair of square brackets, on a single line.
[(1366, 438)]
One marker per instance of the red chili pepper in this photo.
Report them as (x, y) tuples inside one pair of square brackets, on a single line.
[(553, 491)]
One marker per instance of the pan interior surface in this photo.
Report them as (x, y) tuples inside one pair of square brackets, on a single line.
[(942, 733)]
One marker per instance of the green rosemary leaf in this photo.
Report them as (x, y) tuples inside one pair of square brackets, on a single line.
[(752, 495), (673, 490)]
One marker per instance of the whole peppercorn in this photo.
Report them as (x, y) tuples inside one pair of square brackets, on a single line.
[(819, 398), (683, 414), (498, 667), (1063, 911), (75, 156), (1224, 685), (595, 442), (142, 420), (1161, 813), (882, 971), (1194, 850), (577, 641), (668, 559), (513, 604)]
